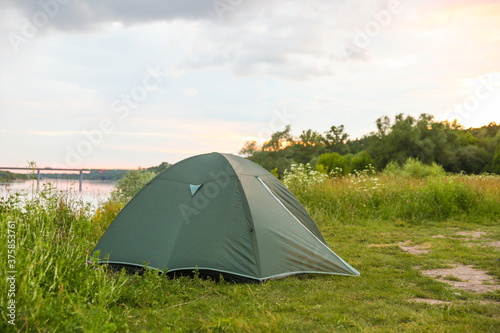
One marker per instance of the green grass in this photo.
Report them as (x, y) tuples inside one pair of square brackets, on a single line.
[(362, 218)]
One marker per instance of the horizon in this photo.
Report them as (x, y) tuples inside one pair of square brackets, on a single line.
[(46, 170)]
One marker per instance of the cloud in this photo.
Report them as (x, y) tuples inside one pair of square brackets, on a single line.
[(282, 39), (73, 15)]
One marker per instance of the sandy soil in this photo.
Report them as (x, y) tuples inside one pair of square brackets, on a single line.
[(464, 277)]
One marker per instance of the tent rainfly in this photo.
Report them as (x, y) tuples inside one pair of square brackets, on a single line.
[(219, 214)]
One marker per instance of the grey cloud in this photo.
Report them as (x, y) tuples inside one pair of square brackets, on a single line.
[(71, 15), (299, 39), (75, 15), (290, 47)]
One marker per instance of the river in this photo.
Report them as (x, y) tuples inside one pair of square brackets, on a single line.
[(93, 191)]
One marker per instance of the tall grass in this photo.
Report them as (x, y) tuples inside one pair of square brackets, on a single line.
[(60, 289), (57, 289), (414, 193)]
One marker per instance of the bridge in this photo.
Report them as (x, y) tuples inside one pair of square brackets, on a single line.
[(81, 171)]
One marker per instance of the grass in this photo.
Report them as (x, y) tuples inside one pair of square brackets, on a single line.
[(363, 218)]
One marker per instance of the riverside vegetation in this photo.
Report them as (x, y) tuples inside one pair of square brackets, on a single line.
[(364, 217)]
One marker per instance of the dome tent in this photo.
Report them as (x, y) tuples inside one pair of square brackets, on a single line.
[(222, 215)]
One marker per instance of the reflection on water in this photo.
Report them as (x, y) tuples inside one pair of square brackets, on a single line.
[(93, 191)]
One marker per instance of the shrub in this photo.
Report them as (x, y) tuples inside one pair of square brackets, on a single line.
[(130, 184), (333, 161), (414, 168), (361, 161)]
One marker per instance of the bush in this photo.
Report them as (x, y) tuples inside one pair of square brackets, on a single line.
[(414, 168), (337, 165), (361, 161), (333, 162), (130, 184)]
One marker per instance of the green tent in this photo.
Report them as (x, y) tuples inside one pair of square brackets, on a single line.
[(222, 215)]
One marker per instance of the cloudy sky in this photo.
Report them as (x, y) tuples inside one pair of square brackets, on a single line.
[(124, 83)]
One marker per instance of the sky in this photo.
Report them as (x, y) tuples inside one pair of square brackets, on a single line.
[(127, 84)]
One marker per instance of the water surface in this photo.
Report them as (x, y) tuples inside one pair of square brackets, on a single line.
[(93, 191)]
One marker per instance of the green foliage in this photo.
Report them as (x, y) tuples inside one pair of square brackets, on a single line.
[(131, 183), (278, 139), (414, 168), (159, 168), (336, 140), (9, 176), (495, 165), (333, 162), (343, 164), (270, 160), (361, 161), (456, 149)]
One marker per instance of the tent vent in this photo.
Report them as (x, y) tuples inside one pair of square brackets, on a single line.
[(194, 188)]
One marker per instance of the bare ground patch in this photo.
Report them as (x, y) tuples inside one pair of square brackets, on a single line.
[(382, 245), (473, 234), (429, 301), (466, 235), (494, 244), (469, 236), (440, 302), (464, 277), (414, 249)]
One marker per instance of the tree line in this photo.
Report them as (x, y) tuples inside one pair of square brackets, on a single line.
[(449, 144)]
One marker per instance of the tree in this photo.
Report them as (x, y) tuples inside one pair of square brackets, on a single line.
[(495, 164), (160, 168), (311, 138), (472, 159), (279, 140), (131, 183), (309, 146), (249, 148), (335, 140), (383, 125)]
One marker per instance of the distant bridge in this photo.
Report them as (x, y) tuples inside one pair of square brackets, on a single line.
[(48, 169)]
